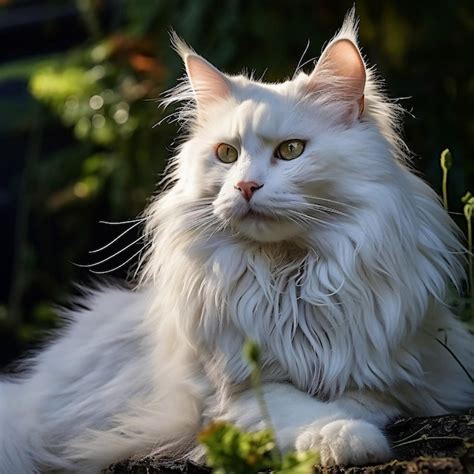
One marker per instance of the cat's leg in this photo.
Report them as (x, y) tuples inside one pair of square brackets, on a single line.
[(345, 431)]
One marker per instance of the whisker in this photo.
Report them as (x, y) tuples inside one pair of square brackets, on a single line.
[(298, 66), (141, 219), (305, 63), (333, 201), (141, 260), (307, 219), (324, 209), (113, 255), (137, 222), (222, 226), (119, 266), (204, 222), (294, 220), (218, 226)]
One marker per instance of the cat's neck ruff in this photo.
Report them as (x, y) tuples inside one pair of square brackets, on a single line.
[(310, 318)]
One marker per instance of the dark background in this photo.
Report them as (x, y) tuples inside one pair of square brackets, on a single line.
[(76, 123)]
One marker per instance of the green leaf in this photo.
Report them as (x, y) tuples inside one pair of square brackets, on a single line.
[(231, 451), (299, 463), (55, 85), (25, 68)]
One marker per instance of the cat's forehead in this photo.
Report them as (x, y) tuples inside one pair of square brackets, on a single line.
[(267, 111)]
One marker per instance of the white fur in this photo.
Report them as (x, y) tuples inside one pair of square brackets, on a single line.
[(343, 291)]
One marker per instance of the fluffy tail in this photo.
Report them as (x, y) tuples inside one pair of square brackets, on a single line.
[(14, 428)]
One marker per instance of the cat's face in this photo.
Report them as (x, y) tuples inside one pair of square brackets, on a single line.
[(260, 194), (270, 157)]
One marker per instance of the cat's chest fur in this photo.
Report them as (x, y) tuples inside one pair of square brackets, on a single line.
[(280, 300)]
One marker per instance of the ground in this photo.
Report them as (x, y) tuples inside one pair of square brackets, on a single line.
[(443, 444)]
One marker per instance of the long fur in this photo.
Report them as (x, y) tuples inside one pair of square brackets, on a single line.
[(345, 296)]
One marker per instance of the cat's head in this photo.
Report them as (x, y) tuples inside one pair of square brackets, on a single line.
[(275, 161)]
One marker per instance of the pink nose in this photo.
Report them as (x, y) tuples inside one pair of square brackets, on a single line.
[(247, 188)]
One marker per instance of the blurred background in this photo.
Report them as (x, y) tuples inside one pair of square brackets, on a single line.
[(78, 88)]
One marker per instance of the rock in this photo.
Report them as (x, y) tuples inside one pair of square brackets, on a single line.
[(442, 444)]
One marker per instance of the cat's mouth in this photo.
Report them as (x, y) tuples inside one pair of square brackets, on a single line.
[(263, 226), (258, 215)]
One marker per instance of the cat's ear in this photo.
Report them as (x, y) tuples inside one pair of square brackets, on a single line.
[(340, 72), (208, 83)]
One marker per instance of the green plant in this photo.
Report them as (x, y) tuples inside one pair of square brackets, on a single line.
[(465, 305), (446, 161), (468, 200), (232, 451)]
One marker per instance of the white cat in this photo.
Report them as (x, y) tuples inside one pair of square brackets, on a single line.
[(291, 218)]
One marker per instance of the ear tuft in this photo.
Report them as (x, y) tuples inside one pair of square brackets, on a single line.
[(180, 46), (207, 82), (340, 71), (349, 28)]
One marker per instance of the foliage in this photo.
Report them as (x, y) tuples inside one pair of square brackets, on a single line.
[(232, 451), (464, 305), (468, 201)]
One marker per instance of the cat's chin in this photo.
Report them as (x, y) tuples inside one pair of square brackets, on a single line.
[(262, 228)]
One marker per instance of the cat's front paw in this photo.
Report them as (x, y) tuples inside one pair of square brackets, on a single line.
[(346, 442)]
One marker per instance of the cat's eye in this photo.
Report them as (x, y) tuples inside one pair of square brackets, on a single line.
[(290, 149), (226, 153)]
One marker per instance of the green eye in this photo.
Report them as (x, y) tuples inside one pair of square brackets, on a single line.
[(226, 153), (290, 149)]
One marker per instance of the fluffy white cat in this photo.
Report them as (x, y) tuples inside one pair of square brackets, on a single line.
[(291, 217)]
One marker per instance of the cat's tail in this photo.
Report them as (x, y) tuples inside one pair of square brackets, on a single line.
[(21, 446), (14, 427)]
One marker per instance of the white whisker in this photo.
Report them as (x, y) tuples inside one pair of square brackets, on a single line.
[(332, 201), (113, 255), (141, 219), (137, 222), (298, 66), (118, 266)]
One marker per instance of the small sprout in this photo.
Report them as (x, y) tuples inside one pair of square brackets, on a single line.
[(252, 353), (468, 201), (446, 160), (467, 197), (446, 164)]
